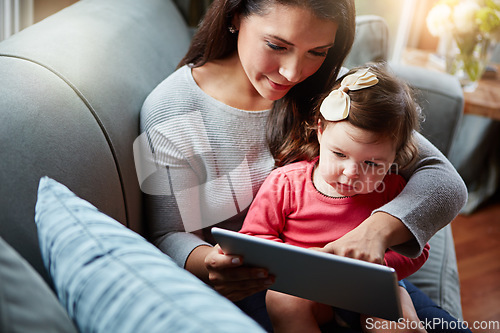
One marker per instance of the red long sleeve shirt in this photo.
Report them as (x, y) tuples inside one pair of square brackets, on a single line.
[(289, 209)]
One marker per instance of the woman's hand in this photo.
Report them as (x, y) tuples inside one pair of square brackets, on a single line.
[(226, 273), (370, 240), (233, 280), (358, 244)]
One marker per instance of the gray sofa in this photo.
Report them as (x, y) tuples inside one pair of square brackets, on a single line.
[(71, 90)]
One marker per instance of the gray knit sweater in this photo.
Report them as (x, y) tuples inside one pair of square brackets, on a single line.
[(206, 161)]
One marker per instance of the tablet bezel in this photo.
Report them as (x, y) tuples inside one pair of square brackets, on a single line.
[(326, 278)]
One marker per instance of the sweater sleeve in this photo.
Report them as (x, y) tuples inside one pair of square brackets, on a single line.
[(171, 201), (432, 198), (169, 212), (267, 214), (403, 265)]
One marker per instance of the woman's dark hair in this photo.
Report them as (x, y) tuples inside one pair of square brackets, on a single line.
[(287, 117), (387, 108)]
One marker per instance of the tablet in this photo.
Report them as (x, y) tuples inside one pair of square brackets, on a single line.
[(326, 278)]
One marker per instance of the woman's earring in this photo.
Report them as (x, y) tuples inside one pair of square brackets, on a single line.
[(232, 29)]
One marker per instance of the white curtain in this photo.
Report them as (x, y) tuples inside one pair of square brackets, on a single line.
[(15, 15)]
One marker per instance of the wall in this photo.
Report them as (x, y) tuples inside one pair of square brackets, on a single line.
[(44, 8)]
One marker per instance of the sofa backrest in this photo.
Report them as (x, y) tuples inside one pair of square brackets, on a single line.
[(442, 101), (71, 88), (371, 42), (439, 94)]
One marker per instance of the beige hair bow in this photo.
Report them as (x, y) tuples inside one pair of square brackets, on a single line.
[(337, 104)]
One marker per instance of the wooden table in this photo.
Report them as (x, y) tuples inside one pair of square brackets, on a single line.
[(484, 101)]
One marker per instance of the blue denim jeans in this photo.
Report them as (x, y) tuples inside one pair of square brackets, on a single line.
[(434, 318)]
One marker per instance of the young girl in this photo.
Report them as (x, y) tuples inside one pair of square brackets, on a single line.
[(365, 135)]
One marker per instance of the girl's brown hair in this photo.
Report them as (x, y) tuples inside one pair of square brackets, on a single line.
[(285, 123), (388, 108)]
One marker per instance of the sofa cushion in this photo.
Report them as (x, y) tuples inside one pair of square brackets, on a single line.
[(438, 277), (26, 302), (110, 279)]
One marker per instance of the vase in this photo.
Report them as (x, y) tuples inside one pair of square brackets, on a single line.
[(467, 57)]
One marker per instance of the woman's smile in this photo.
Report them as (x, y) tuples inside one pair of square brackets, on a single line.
[(277, 86)]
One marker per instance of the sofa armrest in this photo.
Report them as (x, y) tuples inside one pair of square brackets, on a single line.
[(72, 87)]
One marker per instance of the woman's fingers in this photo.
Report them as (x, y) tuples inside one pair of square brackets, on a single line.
[(237, 290), (227, 275), (217, 260), (236, 274), (367, 250)]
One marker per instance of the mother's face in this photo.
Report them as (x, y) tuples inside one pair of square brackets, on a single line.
[(283, 47)]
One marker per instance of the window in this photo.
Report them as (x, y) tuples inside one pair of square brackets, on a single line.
[(15, 15), (405, 18)]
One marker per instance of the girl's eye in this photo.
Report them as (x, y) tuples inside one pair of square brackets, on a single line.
[(371, 163), (275, 47), (339, 154)]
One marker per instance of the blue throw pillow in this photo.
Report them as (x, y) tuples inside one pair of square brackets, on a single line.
[(110, 279)]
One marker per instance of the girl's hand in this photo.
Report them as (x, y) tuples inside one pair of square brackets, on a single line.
[(231, 279)]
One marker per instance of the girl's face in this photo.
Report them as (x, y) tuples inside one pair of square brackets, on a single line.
[(351, 161), (282, 47)]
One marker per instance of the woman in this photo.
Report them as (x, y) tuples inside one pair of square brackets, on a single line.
[(217, 127)]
